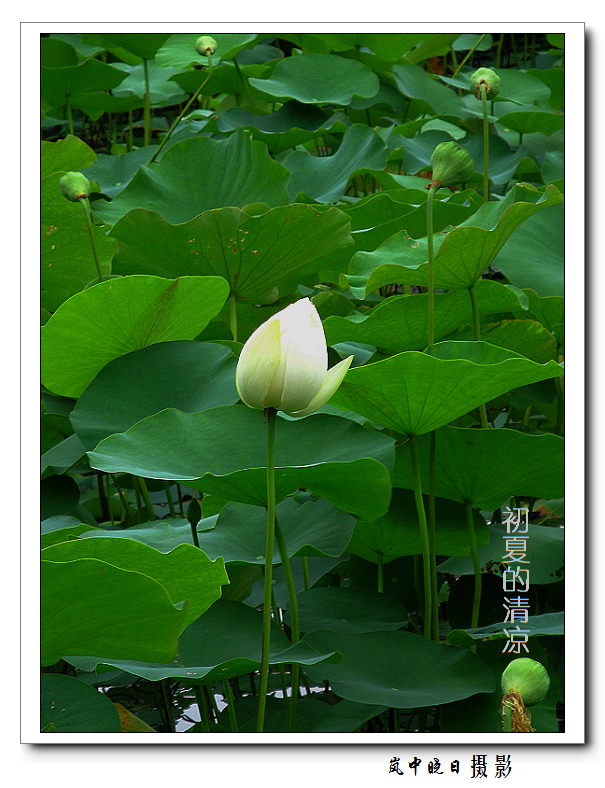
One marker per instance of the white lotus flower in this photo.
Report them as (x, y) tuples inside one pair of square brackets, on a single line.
[(284, 363)]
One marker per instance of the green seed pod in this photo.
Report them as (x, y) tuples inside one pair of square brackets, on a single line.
[(487, 77), (206, 46), (528, 678), (451, 164), (74, 186)]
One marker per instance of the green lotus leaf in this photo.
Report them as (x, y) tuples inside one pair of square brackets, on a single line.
[(185, 572), (118, 316), (222, 451), (198, 174), (319, 79), (253, 253), (416, 392)]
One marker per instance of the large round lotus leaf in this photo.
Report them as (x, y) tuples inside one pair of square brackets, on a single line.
[(198, 174), (533, 120), (379, 216), (56, 53), (67, 263), (397, 534), (502, 162), (223, 451), (475, 465), (398, 669), (72, 706), (59, 84), (143, 45), (180, 52), (313, 528), (349, 610), (185, 572), (541, 240), (88, 606), (118, 316), (325, 178), (152, 79), (543, 548), (461, 255), (163, 535), (291, 125), (416, 392), (70, 153), (62, 456), (223, 643), (253, 253), (319, 79), (548, 310), (414, 82), (399, 323), (536, 626), (529, 338), (187, 375), (114, 173)]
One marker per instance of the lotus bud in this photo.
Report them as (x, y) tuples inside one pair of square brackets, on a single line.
[(284, 363), (74, 186), (451, 164), (205, 46), (528, 678), (487, 77)]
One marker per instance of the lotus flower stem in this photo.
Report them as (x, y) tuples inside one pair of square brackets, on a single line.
[(507, 716), (476, 566), (146, 498), (271, 416), (477, 334), (485, 144), (469, 53), (380, 555), (84, 202), (433, 537), (230, 705), (146, 107), (424, 538), (294, 625), (431, 341), (203, 708), (70, 120), (123, 498), (169, 499), (431, 272), (183, 111)]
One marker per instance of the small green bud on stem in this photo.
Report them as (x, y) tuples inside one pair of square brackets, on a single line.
[(205, 46), (451, 164), (487, 77), (74, 186), (525, 682)]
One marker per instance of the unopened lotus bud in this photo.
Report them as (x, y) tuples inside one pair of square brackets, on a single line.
[(194, 512), (487, 77), (528, 678), (451, 164), (284, 363), (74, 186), (206, 46)]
